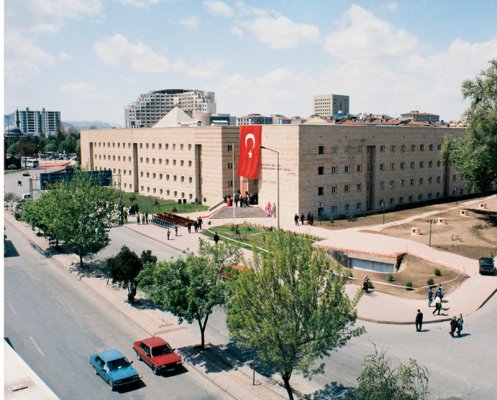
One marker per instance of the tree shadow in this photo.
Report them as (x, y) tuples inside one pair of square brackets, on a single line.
[(333, 391), (91, 268), (145, 304)]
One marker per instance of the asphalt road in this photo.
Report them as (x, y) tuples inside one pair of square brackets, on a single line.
[(55, 322)]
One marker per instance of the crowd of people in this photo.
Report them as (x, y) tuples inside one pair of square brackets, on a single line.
[(302, 218)]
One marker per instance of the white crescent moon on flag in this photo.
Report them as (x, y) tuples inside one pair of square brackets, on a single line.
[(248, 137)]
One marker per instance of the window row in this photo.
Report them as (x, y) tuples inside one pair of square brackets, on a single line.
[(382, 148), (152, 146)]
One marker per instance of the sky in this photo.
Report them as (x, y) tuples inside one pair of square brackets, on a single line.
[(89, 59)]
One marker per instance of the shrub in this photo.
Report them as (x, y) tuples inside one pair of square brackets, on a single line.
[(12, 166), (437, 272), (430, 282), (332, 221), (132, 198), (390, 278), (174, 209), (409, 285)]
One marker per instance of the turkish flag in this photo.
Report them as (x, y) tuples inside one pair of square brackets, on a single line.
[(250, 151)]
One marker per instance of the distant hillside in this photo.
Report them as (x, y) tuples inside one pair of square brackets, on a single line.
[(87, 124)]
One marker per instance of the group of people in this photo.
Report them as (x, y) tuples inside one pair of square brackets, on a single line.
[(302, 219), (439, 295)]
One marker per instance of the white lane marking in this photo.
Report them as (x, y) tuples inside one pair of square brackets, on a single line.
[(12, 308), (37, 347)]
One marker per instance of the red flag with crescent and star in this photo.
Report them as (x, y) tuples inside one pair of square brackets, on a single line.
[(250, 151)]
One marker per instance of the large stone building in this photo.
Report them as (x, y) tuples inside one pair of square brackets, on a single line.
[(150, 107), (329, 170), (421, 116), (38, 122), (330, 105)]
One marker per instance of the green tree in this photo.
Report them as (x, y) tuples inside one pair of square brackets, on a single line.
[(189, 288), (475, 155), (124, 268), (379, 380), (289, 308), (69, 144)]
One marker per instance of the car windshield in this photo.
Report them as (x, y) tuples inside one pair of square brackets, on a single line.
[(160, 350), (487, 262), (117, 364)]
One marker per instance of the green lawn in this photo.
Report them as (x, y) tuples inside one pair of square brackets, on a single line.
[(153, 205), (248, 235)]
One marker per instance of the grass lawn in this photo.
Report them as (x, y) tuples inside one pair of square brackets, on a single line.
[(153, 205), (248, 235)]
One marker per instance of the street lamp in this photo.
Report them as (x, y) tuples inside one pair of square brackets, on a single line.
[(383, 204), (277, 184), (429, 240)]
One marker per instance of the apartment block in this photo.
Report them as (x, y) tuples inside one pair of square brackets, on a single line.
[(330, 105), (150, 107), (38, 122)]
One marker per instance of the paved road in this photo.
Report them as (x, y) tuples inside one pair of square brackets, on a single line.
[(55, 323)]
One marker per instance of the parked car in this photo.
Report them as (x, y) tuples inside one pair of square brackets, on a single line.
[(487, 266), (158, 354), (114, 368)]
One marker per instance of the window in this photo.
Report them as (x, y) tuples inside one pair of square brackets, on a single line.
[(320, 149), (420, 181), (359, 187), (333, 170), (347, 150), (431, 149), (392, 166), (359, 149), (430, 179), (334, 209), (346, 188), (382, 167), (333, 189), (401, 200), (320, 170), (358, 206), (413, 147), (153, 175), (421, 164), (421, 147), (189, 148), (230, 165), (402, 182), (413, 165), (358, 168), (429, 195), (420, 197), (174, 162), (190, 180), (174, 178), (438, 163), (148, 174), (382, 185), (181, 146), (439, 147), (167, 177), (410, 198), (347, 207), (141, 173), (391, 184), (141, 147), (438, 179), (334, 150), (182, 162), (320, 191), (430, 163), (403, 148), (382, 148), (146, 160), (182, 179), (190, 163), (392, 148), (230, 183), (346, 169), (402, 165)]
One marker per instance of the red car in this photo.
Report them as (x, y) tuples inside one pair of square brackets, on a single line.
[(158, 354)]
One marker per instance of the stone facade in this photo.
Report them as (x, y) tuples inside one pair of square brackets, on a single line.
[(329, 170)]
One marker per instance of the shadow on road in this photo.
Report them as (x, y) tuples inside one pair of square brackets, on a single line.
[(333, 391), (10, 249)]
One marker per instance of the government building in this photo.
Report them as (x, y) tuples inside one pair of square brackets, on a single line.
[(329, 170)]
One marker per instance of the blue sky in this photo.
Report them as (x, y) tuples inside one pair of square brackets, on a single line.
[(91, 58)]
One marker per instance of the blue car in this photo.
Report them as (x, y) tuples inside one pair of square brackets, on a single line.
[(114, 368)]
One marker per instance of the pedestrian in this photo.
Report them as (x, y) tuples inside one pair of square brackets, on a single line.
[(195, 226), (200, 222), (296, 219), (19, 183), (453, 325), (438, 305), (365, 284), (460, 323), (175, 230), (311, 219), (143, 219), (146, 218), (168, 234), (440, 292), (430, 296), (189, 227), (216, 238), (332, 274), (138, 218), (302, 219), (419, 321)]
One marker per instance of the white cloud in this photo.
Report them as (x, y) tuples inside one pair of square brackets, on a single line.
[(281, 32), (81, 90), (218, 7), (362, 35), (64, 56), (392, 6), (140, 3), (192, 22), (23, 59), (113, 50), (237, 31)]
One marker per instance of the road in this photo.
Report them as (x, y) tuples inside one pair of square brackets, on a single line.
[(55, 322)]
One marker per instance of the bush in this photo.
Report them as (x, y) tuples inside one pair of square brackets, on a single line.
[(12, 167), (390, 278), (332, 221), (438, 272), (409, 285), (430, 282), (174, 209), (370, 284)]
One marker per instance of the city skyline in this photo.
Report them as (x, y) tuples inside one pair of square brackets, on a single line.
[(90, 59)]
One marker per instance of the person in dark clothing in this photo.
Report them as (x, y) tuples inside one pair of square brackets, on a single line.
[(296, 219), (419, 321), (302, 218), (309, 217), (453, 325), (168, 234), (216, 238), (460, 323), (175, 230), (365, 284), (189, 227), (430, 296)]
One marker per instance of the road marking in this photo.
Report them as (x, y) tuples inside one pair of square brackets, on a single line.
[(37, 347), (12, 308)]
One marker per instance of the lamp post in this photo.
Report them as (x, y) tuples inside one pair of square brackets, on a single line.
[(429, 240), (277, 184), (383, 207)]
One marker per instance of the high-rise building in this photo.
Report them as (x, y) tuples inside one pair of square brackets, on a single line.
[(38, 122), (152, 106), (330, 105)]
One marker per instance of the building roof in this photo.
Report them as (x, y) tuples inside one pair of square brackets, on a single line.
[(175, 117)]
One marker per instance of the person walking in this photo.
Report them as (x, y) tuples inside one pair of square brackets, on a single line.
[(168, 234), (453, 325), (430, 296), (440, 292), (419, 321), (302, 219), (175, 230), (365, 284), (296, 219), (460, 323), (216, 238), (189, 227), (438, 305)]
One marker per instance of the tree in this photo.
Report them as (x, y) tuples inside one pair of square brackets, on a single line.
[(188, 287), (475, 155), (125, 266), (379, 380), (290, 309)]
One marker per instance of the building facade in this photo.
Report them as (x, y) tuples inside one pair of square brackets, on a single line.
[(150, 107), (330, 105), (329, 170), (38, 122), (421, 117)]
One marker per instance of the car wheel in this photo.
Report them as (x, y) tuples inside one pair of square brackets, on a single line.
[(155, 370), (95, 370), (111, 385), (138, 355)]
